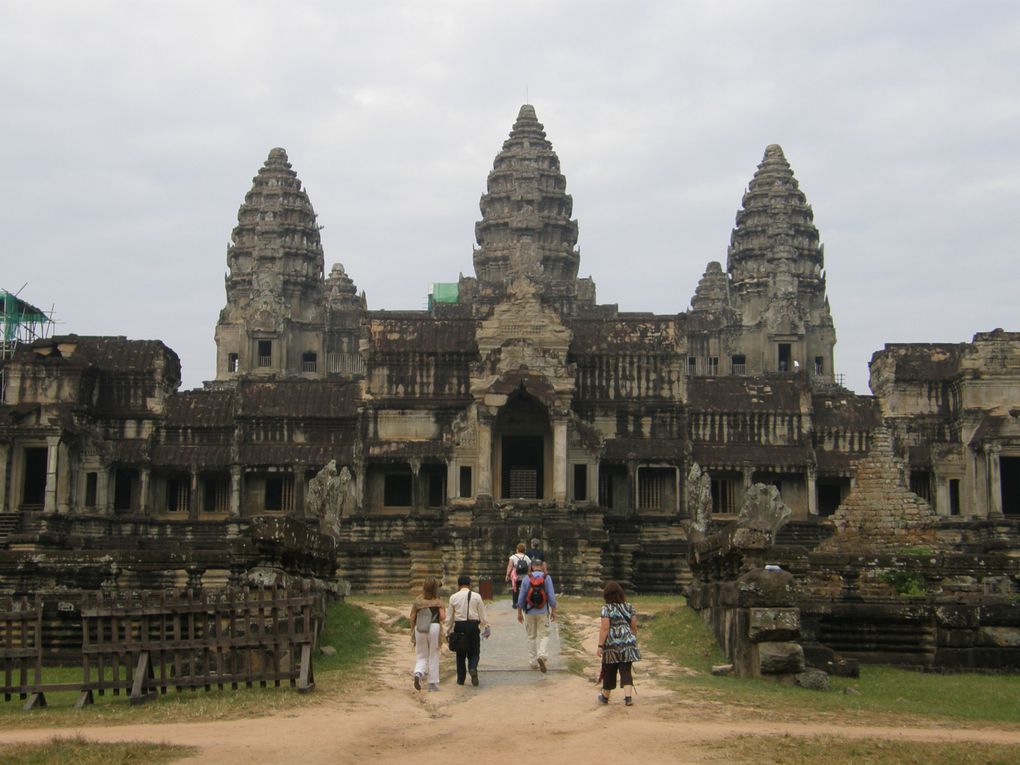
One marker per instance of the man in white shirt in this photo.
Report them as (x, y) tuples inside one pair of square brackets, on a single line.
[(466, 614)]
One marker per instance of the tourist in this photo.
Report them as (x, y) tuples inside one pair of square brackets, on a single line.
[(536, 608), (516, 572), (467, 616), (427, 616), (535, 552), (617, 643)]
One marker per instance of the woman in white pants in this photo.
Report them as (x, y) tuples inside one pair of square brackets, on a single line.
[(427, 614)]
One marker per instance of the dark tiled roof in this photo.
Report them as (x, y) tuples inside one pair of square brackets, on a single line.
[(201, 455), (397, 333), (298, 398), (850, 412), (645, 333), (110, 354), (773, 393), (266, 455), (665, 449), (928, 362), (201, 409), (751, 455)]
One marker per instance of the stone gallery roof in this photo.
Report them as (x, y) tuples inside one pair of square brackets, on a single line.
[(406, 332), (644, 333), (922, 362), (732, 394), (116, 355), (306, 399), (846, 412), (203, 409), (751, 455)]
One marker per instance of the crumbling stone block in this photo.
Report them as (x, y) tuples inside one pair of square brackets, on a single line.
[(768, 624), (763, 589), (780, 658), (813, 680)]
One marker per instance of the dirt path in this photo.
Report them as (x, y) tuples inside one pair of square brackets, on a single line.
[(552, 716)]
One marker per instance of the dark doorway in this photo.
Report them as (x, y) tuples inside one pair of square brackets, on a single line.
[(522, 469), (33, 493), (124, 489), (785, 363), (1009, 479), (830, 495)]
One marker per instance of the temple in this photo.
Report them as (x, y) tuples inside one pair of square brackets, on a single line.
[(380, 445)]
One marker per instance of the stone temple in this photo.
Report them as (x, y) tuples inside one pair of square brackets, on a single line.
[(386, 444)]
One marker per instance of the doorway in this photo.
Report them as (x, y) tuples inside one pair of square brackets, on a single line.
[(523, 439)]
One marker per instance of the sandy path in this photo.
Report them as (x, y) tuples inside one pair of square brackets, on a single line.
[(552, 716)]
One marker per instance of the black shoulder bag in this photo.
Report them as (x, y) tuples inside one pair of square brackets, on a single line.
[(458, 641)]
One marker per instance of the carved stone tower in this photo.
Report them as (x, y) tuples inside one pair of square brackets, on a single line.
[(777, 284), (526, 229), (272, 324)]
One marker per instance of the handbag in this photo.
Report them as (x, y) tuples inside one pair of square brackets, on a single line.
[(458, 641)]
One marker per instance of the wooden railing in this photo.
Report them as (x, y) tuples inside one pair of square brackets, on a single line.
[(147, 642)]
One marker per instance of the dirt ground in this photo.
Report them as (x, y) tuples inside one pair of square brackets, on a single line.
[(552, 718)]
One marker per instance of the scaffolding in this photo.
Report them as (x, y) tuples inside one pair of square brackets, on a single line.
[(20, 322)]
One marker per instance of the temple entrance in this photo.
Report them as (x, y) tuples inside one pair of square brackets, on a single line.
[(523, 441), (1009, 477)]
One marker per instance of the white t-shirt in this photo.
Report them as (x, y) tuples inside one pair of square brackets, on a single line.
[(513, 563)]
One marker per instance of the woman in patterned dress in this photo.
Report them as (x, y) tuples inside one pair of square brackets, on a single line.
[(617, 643)]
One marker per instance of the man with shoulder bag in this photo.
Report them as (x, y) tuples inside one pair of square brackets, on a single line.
[(466, 624)]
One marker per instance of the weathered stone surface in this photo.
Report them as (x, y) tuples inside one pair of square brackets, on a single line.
[(699, 498), (766, 624), (763, 589), (1005, 637), (763, 510), (813, 680), (780, 658)]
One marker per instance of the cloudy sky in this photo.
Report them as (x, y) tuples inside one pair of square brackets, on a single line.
[(130, 131)]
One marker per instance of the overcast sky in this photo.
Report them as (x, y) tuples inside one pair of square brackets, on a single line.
[(130, 132)]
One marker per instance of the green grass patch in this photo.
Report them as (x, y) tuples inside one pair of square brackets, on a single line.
[(348, 629), (792, 750), (681, 636), (78, 751)]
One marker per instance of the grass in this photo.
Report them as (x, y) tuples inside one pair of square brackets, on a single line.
[(348, 629), (78, 751), (789, 750), (679, 635)]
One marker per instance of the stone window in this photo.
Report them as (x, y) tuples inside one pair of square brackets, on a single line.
[(125, 489), (692, 365), (954, 496), (279, 493), (724, 495), (738, 364), (580, 483), (785, 358), (178, 494), (920, 484), (713, 365), (656, 488), (91, 489), (215, 493), (819, 365), (309, 361), (1009, 483), (33, 485), (233, 363), (265, 353), (397, 489), (613, 486), (465, 482), (434, 478)]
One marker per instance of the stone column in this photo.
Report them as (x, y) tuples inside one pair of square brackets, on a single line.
[(52, 462), (632, 487), (452, 481), (298, 510), (144, 487), (810, 480), (5, 451), (559, 462), (235, 491), (103, 499), (484, 465), (194, 498), (593, 483), (63, 479), (416, 503), (994, 480)]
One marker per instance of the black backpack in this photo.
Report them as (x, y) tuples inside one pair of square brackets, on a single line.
[(522, 565)]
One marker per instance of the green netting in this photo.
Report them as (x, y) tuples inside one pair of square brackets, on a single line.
[(445, 292), (17, 313)]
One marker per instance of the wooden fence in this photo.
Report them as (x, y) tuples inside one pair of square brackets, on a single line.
[(145, 643)]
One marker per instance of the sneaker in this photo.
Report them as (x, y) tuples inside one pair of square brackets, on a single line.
[(603, 699), (541, 666), (474, 677), (417, 681), (433, 687), (627, 700)]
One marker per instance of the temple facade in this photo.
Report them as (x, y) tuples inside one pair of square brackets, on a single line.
[(515, 407)]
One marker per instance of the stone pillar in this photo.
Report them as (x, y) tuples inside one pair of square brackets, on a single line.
[(299, 491), (5, 451), (235, 491), (103, 499), (593, 483), (63, 479), (484, 465), (452, 481), (416, 503), (810, 478), (52, 461), (559, 462), (994, 480), (194, 497), (144, 491), (632, 487)]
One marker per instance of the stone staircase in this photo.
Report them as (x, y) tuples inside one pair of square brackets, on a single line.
[(8, 525)]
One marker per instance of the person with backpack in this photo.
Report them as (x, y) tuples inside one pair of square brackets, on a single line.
[(617, 643), (536, 608), (516, 572), (427, 616)]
